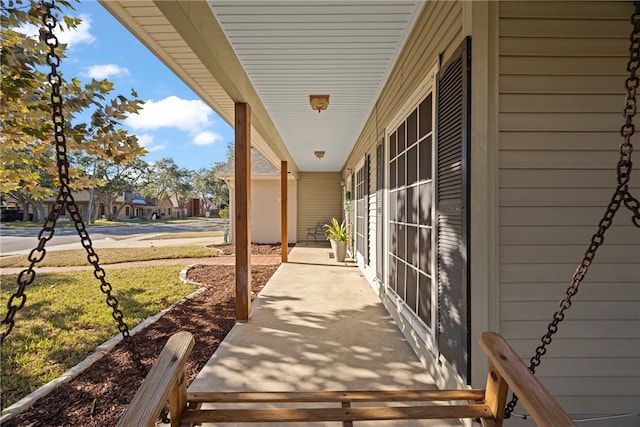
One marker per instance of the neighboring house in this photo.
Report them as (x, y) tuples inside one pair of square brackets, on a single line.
[(135, 207), (143, 208), (479, 143), (86, 209), (198, 207), (167, 207), (265, 199), (195, 207), (126, 206), (81, 198)]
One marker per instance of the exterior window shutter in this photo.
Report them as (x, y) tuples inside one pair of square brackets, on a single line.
[(379, 210), (367, 190), (452, 171)]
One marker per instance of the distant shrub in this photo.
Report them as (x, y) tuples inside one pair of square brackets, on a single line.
[(224, 213)]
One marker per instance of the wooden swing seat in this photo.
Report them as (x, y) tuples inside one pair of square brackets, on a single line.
[(166, 382)]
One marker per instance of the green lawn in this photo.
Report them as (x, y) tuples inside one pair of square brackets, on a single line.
[(66, 318), (112, 255), (186, 235)]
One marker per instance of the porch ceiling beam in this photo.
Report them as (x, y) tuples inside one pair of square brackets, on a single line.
[(198, 27)]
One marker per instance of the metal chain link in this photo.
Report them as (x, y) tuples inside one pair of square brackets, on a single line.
[(27, 276), (621, 195), (64, 198)]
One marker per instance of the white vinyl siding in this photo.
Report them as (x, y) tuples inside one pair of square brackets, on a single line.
[(562, 67), (319, 199)]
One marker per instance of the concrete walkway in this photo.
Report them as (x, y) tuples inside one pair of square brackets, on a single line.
[(317, 325)]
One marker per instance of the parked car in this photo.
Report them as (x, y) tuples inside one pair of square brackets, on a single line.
[(8, 215)]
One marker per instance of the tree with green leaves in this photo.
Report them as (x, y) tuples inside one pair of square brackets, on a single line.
[(211, 190), (114, 180), (121, 180), (165, 179), (28, 172), (183, 189)]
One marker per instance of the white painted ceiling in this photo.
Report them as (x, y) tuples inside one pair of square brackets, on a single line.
[(291, 49)]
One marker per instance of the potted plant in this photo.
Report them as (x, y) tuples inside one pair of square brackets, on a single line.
[(337, 234)]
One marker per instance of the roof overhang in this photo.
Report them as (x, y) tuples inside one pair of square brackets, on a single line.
[(273, 55)]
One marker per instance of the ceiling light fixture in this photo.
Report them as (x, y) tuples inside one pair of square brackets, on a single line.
[(319, 102), (319, 154)]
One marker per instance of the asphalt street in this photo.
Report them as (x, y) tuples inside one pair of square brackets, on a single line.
[(19, 240)]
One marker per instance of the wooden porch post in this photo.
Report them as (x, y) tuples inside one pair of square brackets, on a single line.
[(243, 210), (284, 205)]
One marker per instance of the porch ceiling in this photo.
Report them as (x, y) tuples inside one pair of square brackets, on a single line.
[(273, 55)]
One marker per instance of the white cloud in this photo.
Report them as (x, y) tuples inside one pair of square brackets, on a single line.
[(105, 71), (147, 141), (190, 116), (80, 34), (207, 138), (29, 30)]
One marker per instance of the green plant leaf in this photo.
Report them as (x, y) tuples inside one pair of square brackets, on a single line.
[(336, 231)]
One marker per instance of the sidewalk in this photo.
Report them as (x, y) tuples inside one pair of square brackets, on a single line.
[(144, 243), (219, 260), (134, 241)]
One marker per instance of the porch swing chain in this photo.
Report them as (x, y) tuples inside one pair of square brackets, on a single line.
[(65, 197), (620, 196)]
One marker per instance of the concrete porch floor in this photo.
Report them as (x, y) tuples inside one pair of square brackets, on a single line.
[(317, 325)]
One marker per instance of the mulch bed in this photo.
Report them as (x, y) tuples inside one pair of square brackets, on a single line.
[(256, 249), (99, 396)]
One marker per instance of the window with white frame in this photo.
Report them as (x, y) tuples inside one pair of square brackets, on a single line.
[(410, 272), (361, 190)]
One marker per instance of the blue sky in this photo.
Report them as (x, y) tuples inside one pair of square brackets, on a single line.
[(174, 122)]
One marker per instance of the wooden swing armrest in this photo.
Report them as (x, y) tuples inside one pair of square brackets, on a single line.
[(506, 366), (165, 381)]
